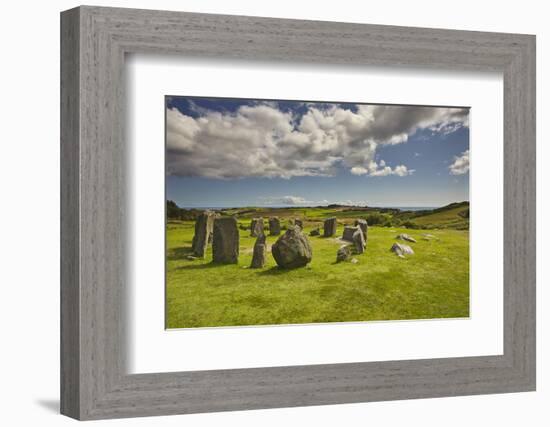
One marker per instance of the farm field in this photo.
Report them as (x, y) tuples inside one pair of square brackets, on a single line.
[(432, 283)]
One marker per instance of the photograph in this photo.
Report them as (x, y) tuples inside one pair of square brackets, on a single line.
[(299, 212)]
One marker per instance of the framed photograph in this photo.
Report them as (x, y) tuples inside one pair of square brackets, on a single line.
[(262, 213)]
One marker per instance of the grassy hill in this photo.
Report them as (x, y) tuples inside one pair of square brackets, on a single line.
[(453, 216), (456, 215), (432, 283)]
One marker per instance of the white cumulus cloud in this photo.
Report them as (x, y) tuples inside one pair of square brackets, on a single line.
[(261, 140), (461, 164), (292, 201), (380, 169)]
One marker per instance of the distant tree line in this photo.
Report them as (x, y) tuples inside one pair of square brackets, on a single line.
[(173, 211)]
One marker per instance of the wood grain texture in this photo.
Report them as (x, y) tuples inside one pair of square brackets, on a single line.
[(94, 381), (70, 291)]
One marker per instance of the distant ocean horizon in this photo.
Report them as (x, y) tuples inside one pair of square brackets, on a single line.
[(403, 208)]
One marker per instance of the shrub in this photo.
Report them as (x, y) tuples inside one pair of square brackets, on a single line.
[(376, 218), (409, 224), (465, 213)]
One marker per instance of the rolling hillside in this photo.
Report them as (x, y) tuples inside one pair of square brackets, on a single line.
[(453, 216)]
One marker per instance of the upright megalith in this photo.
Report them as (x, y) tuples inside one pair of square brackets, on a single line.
[(256, 227), (274, 226), (225, 242), (359, 241), (329, 227), (292, 249), (259, 253), (348, 233), (299, 223), (203, 233), (363, 225)]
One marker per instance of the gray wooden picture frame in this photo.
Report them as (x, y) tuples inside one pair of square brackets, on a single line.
[(94, 381)]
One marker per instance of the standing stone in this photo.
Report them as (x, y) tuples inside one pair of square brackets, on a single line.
[(359, 241), (329, 227), (225, 243), (203, 233), (258, 256), (348, 233), (274, 226), (299, 223), (364, 225), (292, 249), (256, 227), (343, 254)]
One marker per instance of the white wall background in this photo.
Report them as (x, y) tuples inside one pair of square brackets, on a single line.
[(29, 224)]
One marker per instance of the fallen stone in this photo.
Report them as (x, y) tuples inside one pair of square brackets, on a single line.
[(256, 227), (315, 232), (329, 227), (354, 261), (401, 250), (292, 249), (343, 254), (225, 243), (406, 237), (274, 226), (429, 237), (203, 232), (359, 241), (259, 254)]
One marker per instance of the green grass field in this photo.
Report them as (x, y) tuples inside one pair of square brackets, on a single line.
[(449, 218), (432, 283)]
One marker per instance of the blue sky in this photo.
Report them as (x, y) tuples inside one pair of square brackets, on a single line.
[(239, 152)]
